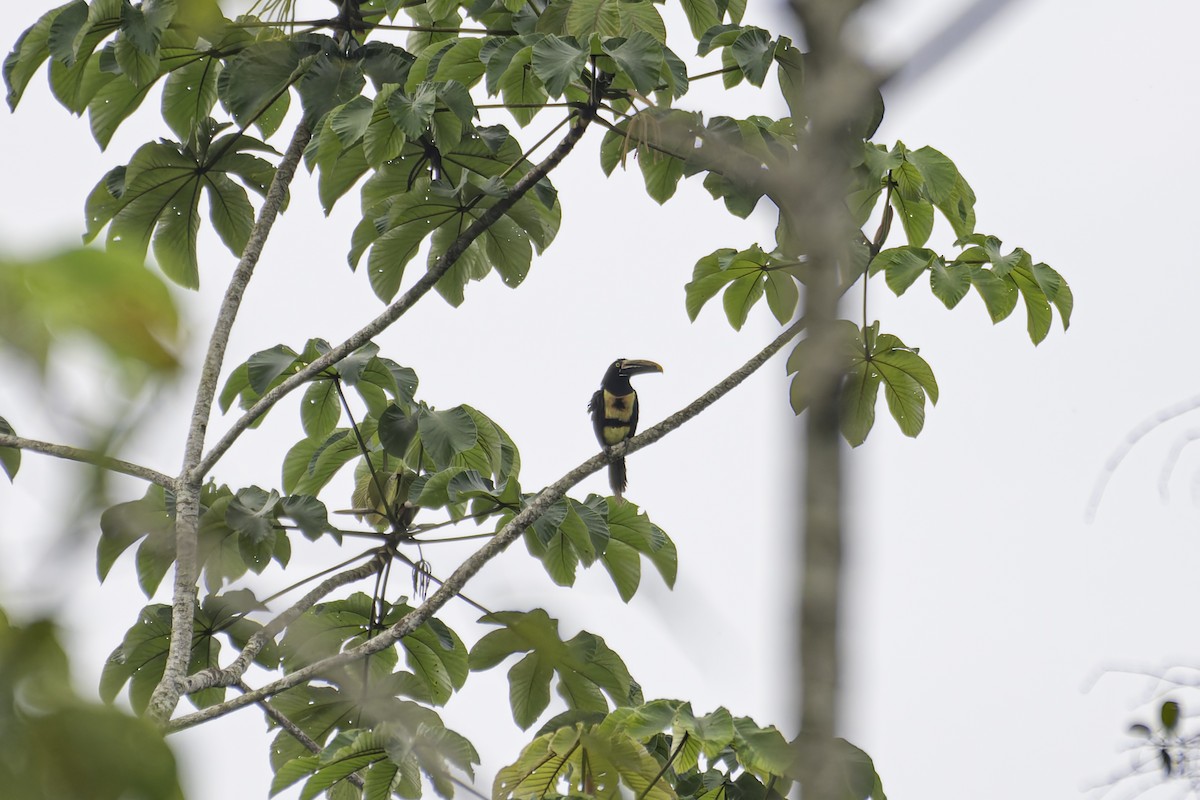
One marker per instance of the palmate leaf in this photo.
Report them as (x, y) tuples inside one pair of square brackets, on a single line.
[(587, 669), (141, 657), (746, 276), (585, 762), (434, 652), (401, 214), (601, 529), (870, 360), (393, 756), (347, 703), (483, 153), (158, 195), (254, 85)]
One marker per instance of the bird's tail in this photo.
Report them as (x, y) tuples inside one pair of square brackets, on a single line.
[(616, 476)]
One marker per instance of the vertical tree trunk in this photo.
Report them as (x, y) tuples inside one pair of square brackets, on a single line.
[(837, 87)]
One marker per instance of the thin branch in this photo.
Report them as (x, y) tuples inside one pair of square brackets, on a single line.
[(666, 766), (232, 674), (88, 457), (296, 732), (436, 29), (398, 308), (1132, 438), (187, 490), (538, 506)]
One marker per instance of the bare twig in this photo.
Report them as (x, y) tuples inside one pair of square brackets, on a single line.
[(1132, 438), (296, 732), (234, 672), (187, 487), (88, 457), (453, 585)]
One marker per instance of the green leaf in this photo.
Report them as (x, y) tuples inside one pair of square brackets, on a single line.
[(308, 513), (10, 457), (113, 299), (437, 657), (330, 81), (584, 658), (189, 94), (1037, 307), (642, 16), (266, 367), (412, 114), (916, 215), (871, 360), (754, 53), (320, 409), (742, 293), (1058, 291), (158, 194), (903, 265), (558, 62), (31, 50), (1168, 713), (259, 76), (140, 658), (631, 533), (999, 295), (661, 173), (124, 524), (521, 89), (950, 282), (640, 57), (783, 295), (252, 514), (588, 17), (701, 15), (112, 105), (461, 63), (326, 458), (444, 434)]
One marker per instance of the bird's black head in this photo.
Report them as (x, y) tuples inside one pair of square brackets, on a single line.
[(620, 371)]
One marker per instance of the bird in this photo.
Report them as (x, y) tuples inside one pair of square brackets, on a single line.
[(614, 410)]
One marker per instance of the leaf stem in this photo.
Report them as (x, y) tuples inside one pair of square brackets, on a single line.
[(671, 760)]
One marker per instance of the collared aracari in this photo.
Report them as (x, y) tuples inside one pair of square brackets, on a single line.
[(614, 410)]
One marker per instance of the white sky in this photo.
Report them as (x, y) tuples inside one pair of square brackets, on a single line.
[(980, 604)]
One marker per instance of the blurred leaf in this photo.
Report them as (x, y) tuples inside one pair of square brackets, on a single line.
[(59, 747), (110, 298), (1169, 714), (10, 457)]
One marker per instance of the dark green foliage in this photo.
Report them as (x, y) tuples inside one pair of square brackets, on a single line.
[(58, 746), (408, 122)]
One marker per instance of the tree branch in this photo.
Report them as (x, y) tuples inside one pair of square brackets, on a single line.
[(232, 675), (187, 487), (398, 308), (498, 543), (88, 457)]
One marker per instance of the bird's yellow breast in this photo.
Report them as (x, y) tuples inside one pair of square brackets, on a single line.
[(617, 408)]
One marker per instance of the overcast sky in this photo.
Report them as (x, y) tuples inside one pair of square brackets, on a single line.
[(980, 602)]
